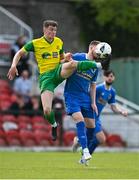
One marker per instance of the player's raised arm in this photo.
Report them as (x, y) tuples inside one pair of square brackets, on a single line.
[(13, 70), (116, 109)]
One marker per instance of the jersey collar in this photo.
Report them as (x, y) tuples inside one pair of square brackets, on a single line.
[(48, 41), (110, 87)]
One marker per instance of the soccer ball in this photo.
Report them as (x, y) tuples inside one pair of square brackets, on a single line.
[(103, 50)]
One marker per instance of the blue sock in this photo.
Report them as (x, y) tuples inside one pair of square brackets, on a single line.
[(81, 133), (89, 134), (93, 145)]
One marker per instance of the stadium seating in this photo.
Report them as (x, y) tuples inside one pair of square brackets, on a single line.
[(3, 141), (42, 138), (13, 138), (68, 137), (23, 118), (27, 138), (114, 140)]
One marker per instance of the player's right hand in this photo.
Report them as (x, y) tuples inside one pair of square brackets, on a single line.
[(68, 56), (12, 72), (94, 107)]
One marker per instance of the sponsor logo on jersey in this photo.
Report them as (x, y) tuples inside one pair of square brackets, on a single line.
[(55, 54), (46, 55)]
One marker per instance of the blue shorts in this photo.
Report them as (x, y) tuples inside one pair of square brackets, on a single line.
[(74, 105), (98, 127)]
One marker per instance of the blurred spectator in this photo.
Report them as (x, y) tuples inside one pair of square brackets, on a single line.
[(23, 63), (19, 106), (35, 104), (23, 85)]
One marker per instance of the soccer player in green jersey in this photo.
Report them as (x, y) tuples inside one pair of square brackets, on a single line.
[(49, 55)]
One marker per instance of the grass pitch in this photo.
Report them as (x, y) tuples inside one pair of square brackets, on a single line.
[(64, 165)]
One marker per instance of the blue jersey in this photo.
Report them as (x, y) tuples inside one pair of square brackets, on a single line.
[(78, 84), (104, 96)]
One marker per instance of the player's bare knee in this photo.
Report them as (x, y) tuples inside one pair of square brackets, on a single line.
[(47, 110), (102, 140), (73, 64)]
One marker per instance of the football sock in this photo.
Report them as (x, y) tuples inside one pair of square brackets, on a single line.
[(81, 133), (89, 134), (86, 65), (93, 145), (51, 118)]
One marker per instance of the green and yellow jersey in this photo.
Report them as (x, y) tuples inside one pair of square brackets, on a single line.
[(47, 54)]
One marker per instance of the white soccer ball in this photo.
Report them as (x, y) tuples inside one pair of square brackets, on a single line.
[(103, 50)]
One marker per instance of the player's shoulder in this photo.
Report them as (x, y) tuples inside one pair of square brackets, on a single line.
[(57, 39), (100, 86), (36, 40)]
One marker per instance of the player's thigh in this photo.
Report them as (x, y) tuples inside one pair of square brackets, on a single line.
[(89, 122), (89, 116), (77, 116), (101, 137), (46, 98), (68, 69)]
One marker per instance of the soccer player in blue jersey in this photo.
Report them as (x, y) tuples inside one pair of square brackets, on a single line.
[(80, 96), (105, 93)]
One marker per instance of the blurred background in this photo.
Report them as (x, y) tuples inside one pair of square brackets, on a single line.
[(114, 21)]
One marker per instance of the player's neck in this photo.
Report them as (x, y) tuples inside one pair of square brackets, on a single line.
[(107, 86), (50, 40)]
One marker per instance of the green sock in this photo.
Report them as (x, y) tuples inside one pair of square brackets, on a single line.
[(51, 118), (86, 65)]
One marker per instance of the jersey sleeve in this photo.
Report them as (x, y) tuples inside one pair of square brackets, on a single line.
[(61, 50), (28, 47), (112, 99), (77, 57), (94, 78)]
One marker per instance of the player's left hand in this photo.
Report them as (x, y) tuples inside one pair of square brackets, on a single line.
[(124, 113), (94, 107)]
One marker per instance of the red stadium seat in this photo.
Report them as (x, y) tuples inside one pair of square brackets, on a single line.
[(114, 140), (4, 84), (38, 119), (23, 118), (27, 138), (9, 118), (42, 138), (4, 97), (5, 105), (24, 125), (68, 137), (40, 126), (13, 138), (3, 141)]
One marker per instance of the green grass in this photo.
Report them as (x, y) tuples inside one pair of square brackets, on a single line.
[(63, 165)]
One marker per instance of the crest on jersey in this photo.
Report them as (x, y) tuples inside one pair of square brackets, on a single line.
[(55, 54)]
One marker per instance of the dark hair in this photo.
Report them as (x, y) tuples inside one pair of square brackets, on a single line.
[(48, 23), (94, 43), (108, 72)]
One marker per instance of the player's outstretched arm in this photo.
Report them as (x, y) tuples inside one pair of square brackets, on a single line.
[(13, 70), (116, 109)]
